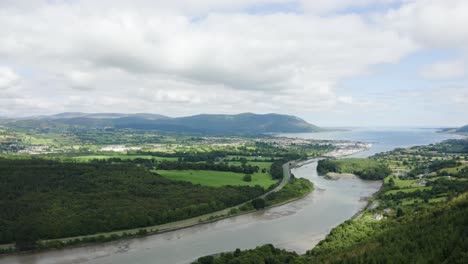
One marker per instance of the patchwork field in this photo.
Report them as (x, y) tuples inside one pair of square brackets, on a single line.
[(401, 183), (409, 190), (454, 170)]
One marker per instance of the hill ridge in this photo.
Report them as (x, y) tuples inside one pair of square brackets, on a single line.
[(232, 124)]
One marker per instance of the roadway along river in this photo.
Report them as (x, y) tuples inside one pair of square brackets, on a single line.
[(295, 226)]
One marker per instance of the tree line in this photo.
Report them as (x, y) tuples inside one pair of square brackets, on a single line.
[(222, 166), (364, 168)]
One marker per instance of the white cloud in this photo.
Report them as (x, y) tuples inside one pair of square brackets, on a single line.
[(345, 99), (81, 80), (8, 78), (118, 51), (433, 23), (189, 56)]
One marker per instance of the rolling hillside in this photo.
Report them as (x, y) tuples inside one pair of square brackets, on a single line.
[(213, 124)]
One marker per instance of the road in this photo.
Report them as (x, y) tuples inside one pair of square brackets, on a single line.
[(286, 177)]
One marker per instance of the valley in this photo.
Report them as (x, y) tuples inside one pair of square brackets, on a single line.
[(82, 185)]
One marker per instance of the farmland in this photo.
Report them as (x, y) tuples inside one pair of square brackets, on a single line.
[(217, 178)]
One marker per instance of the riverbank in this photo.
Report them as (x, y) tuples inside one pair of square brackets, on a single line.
[(326, 186), (337, 176), (241, 209), (371, 203), (295, 226)]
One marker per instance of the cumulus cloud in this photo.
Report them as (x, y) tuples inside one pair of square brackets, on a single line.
[(124, 49), (432, 23), (8, 78), (184, 56)]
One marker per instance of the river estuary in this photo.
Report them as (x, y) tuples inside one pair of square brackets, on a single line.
[(296, 226)]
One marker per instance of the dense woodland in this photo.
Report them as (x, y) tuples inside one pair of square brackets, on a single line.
[(436, 235), (263, 254), (449, 146), (366, 169), (276, 169), (51, 199)]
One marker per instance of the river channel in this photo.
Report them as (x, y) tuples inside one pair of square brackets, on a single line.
[(296, 226)]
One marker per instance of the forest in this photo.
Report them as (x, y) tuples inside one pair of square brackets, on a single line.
[(52, 199), (436, 235), (366, 169)]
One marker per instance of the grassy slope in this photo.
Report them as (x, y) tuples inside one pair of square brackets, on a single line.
[(220, 178), (259, 174), (401, 183), (421, 188), (454, 170), (436, 236)]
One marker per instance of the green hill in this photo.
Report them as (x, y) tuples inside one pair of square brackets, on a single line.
[(463, 129), (212, 124)]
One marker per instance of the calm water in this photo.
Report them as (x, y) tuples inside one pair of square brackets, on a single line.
[(383, 139), (296, 226)]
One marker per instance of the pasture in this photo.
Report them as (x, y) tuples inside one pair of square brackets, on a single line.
[(216, 178)]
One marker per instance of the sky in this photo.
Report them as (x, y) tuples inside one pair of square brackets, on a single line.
[(332, 63)]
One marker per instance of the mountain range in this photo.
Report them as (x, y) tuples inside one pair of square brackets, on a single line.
[(463, 129), (217, 124)]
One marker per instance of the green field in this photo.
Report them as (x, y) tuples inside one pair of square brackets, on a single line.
[(401, 183), (408, 190), (410, 201), (454, 170), (259, 174), (216, 178)]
